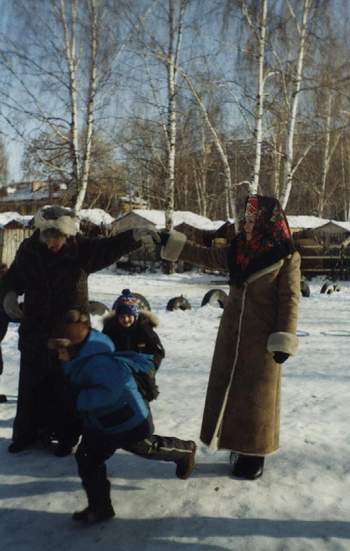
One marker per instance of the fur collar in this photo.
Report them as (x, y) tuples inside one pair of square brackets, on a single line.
[(146, 317), (260, 262)]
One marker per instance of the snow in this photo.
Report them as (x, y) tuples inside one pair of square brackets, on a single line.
[(301, 503), (7, 217), (96, 216), (306, 222), (313, 222)]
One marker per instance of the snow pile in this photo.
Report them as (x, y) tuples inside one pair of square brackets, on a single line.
[(98, 217)]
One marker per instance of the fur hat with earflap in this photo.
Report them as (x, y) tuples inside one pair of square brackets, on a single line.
[(57, 218), (71, 331)]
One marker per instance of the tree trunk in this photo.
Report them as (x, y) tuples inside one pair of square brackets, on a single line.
[(326, 159), (89, 125), (229, 198), (289, 150), (259, 110), (70, 54)]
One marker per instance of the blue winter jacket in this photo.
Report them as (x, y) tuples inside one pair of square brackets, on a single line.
[(108, 397)]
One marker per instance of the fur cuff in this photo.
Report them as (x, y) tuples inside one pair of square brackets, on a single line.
[(174, 246), (282, 342)]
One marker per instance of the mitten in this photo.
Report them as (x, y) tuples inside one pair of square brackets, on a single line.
[(11, 306), (280, 357)]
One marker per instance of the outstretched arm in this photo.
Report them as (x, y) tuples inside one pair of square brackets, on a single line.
[(96, 254), (176, 247)]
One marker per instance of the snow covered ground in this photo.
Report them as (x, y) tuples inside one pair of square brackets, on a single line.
[(303, 500)]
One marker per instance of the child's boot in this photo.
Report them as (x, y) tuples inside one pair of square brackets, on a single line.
[(99, 507), (184, 466)]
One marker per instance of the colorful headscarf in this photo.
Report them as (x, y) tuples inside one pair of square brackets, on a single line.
[(271, 237)]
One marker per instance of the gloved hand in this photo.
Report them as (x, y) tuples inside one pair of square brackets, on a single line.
[(149, 238), (280, 357), (11, 306)]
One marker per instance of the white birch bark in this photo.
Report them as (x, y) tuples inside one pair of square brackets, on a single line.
[(259, 109), (175, 37), (230, 202), (89, 124), (70, 54), (171, 125), (289, 150), (200, 176), (326, 159)]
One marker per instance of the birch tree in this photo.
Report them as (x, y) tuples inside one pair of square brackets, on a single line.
[(175, 26), (258, 30), (64, 69), (220, 147), (302, 30)]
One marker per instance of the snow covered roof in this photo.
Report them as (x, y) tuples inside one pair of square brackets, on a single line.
[(8, 217), (157, 217), (306, 222), (313, 222), (96, 216), (344, 225)]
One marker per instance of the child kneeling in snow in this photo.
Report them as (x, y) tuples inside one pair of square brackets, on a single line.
[(112, 409), (133, 330)]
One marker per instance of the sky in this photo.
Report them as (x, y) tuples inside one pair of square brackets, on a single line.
[(301, 503)]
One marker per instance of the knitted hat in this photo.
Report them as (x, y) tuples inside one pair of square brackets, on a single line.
[(126, 304), (56, 218)]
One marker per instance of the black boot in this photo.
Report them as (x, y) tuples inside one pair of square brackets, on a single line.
[(184, 466), (93, 516), (18, 445), (248, 467), (62, 449), (3, 398), (99, 507)]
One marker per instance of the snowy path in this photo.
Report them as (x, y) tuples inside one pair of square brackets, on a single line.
[(301, 503)]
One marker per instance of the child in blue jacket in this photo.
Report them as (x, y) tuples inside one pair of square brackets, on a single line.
[(113, 412)]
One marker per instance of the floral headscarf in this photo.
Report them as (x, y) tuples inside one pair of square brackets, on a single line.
[(271, 238)]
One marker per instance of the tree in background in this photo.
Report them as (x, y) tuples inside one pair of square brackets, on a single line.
[(3, 165), (63, 65)]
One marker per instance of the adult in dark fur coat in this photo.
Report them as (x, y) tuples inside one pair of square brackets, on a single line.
[(51, 269)]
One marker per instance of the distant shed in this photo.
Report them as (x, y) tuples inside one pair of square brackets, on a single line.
[(132, 220), (14, 228), (95, 222)]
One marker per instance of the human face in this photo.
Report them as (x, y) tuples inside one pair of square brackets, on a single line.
[(249, 224), (126, 320), (55, 244), (54, 241)]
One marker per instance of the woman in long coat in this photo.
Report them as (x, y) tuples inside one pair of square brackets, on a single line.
[(257, 333)]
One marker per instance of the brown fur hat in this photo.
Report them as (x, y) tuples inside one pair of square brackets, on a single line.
[(71, 331)]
